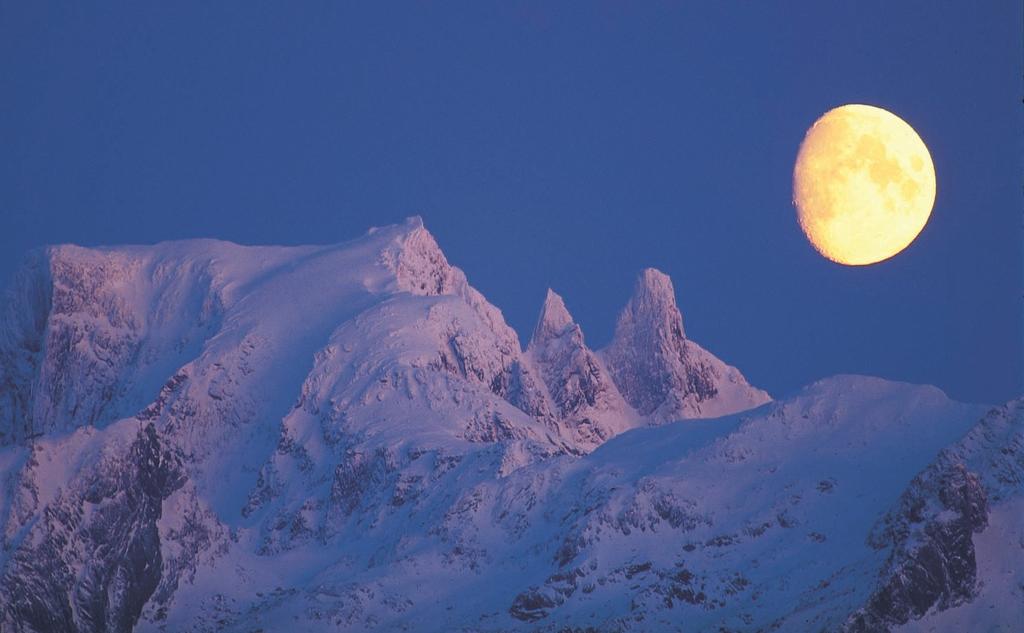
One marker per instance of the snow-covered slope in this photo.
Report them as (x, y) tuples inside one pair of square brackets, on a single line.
[(751, 522), (201, 436)]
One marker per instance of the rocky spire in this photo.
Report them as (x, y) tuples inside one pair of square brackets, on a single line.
[(554, 320), (659, 371), (581, 390), (651, 313)]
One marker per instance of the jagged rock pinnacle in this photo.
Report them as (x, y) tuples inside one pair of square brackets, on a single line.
[(654, 304), (554, 318), (584, 396), (659, 371)]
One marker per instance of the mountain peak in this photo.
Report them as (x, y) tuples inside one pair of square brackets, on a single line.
[(654, 302), (408, 225), (554, 318), (419, 265), (654, 279), (659, 371)]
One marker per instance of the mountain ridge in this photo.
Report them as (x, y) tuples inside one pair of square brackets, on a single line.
[(351, 437), (204, 278)]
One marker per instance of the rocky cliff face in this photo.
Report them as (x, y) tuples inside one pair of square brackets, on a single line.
[(932, 563), (88, 334), (26, 306), (202, 436), (93, 558), (663, 374)]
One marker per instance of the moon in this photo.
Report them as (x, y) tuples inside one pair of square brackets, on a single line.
[(863, 185)]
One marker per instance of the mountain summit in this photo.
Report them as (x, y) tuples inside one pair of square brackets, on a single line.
[(581, 388), (662, 373), (554, 320)]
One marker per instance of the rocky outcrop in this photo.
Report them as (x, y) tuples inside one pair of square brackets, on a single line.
[(94, 558), (932, 562), (418, 263), (994, 449), (662, 373)]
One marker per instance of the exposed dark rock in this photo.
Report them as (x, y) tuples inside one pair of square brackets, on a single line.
[(932, 563), (534, 604), (94, 560)]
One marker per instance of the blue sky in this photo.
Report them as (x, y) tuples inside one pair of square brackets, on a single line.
[(546, 144)]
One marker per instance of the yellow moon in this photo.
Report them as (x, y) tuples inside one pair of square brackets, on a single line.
[(863, 184)]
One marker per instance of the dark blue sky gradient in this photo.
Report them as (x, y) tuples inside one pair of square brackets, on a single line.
[(546, 144)]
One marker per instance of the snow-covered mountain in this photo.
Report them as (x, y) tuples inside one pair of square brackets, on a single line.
[(200, 436)]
